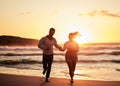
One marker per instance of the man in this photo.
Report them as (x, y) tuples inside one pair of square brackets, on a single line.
[(46, 44)]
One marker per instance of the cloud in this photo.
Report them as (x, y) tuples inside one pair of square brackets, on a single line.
[(102, 13), (106, 13), (25, 13)]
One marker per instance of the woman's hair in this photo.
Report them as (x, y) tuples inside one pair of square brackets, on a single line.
[(73, 35)]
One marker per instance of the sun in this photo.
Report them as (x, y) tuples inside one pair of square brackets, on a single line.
[(85, 38), (84, 35)]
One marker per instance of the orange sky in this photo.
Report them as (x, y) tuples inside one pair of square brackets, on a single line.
[(97, 21)]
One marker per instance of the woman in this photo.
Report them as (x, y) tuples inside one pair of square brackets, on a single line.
[(72, 48)]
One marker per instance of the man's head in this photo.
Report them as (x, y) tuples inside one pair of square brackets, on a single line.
[(51, 31)]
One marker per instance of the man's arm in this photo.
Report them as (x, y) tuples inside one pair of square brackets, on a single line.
[(57, 46)]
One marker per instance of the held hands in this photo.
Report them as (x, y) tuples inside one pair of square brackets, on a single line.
[(60, 48)]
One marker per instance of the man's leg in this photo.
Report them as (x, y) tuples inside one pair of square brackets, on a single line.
[(44, 63), (50, 60)]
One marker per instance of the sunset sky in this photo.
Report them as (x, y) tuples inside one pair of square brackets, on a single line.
[(96, 20)]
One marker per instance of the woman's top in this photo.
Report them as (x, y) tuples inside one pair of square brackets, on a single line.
[(72, 48)]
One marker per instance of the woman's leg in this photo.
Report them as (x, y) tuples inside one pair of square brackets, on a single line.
[(71, 72), (74, 61), (74, 65)]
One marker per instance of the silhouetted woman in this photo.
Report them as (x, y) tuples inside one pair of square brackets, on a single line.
[(71, 58)]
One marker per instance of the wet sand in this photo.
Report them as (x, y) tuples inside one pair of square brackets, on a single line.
[(23, 80)]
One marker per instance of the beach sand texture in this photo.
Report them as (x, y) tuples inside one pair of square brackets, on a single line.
[(22, 80)]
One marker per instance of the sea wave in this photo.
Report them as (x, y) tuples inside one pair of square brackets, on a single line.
[(29, 61), (62, 54), (23, 61)]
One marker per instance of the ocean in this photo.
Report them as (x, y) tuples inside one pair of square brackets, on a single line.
[(95, 62)]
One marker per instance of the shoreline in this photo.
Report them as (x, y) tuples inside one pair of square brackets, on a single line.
[(79, 74), (24, 80)]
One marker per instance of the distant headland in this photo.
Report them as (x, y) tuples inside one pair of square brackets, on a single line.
[(6, 40)]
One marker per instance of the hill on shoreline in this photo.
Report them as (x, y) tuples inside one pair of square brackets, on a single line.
[(17, 41), (6, 40)]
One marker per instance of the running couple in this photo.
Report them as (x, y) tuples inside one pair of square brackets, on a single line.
[(46, 44)]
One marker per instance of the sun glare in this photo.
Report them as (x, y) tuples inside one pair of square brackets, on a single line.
[(85, 38), (84, 35)]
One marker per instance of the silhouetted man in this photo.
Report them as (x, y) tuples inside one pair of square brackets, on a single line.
[(46, 44)]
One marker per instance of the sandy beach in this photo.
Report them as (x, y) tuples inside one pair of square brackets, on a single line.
[(22, 80)]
